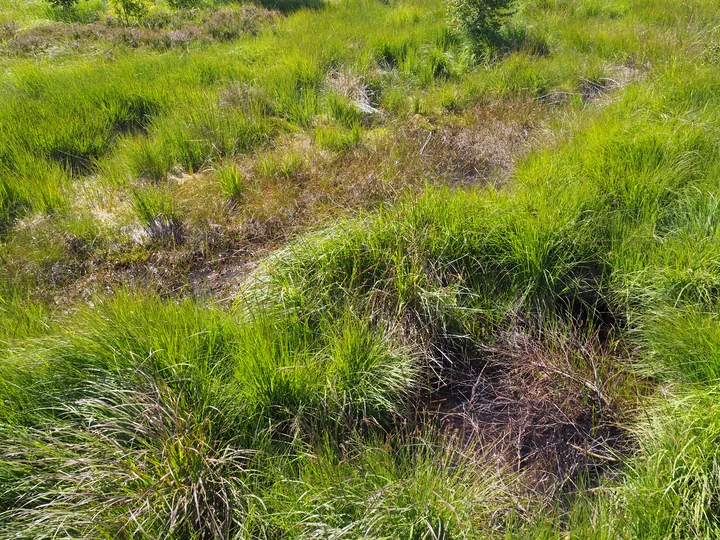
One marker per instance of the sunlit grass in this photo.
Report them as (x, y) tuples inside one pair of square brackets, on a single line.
[(304, 407)]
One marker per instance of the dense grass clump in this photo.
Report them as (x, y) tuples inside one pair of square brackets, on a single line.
[(161, 429), (672, 488)]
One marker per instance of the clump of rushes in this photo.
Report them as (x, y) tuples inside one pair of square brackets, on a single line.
[(232, 183), (337, 138), (280, 164), (20, 316), (672, 485), (157, 212), (414, 486), (185, 431), (140, 450), (62, 4), (151, 440)]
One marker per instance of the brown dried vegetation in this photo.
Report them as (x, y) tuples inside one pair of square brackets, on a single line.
[(552, 405), (288, 188), (160, 31)]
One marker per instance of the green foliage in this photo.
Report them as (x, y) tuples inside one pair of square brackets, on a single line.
[(153, 204), (130, 9), (337, 139), (416, 486), (126, 117), (63, 4), (671, 487), (479, 20), (630, 234), (185, 4), (292, 414), (158, 213), (168, 436), (232, 182), (281, 164), (187, 411), (20, 317)]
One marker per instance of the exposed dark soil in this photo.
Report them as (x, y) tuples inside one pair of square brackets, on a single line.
[(548, 405)]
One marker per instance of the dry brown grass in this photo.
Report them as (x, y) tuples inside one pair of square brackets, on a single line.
[(549, 405)]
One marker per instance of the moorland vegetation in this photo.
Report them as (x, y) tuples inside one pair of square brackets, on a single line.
[(359, 269)]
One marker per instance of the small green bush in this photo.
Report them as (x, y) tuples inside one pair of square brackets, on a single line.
[(479, 20), (130, 9)]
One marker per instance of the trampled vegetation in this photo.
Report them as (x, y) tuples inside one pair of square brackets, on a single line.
[(354, 270)]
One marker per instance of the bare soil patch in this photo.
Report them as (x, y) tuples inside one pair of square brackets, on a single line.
[(553, 406)]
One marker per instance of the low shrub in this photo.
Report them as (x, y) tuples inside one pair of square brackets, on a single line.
[(185, 4), (479, 20), (129, 10)]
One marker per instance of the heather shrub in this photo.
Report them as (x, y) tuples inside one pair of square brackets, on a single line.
[(185, 4)]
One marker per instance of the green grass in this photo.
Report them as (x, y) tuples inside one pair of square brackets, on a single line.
[(284, 383), (17, 11), (231, 182), (153, 111), (304, 408)]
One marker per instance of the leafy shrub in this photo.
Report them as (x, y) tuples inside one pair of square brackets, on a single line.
[(130, 9), (479, 20)]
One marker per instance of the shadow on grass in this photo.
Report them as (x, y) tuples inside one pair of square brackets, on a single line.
[(518, 37), (288, 6), (508, 39), (75, 14)]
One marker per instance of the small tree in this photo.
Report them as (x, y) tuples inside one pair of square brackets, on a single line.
[(62, 4), (130, 9), (480, 20)]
